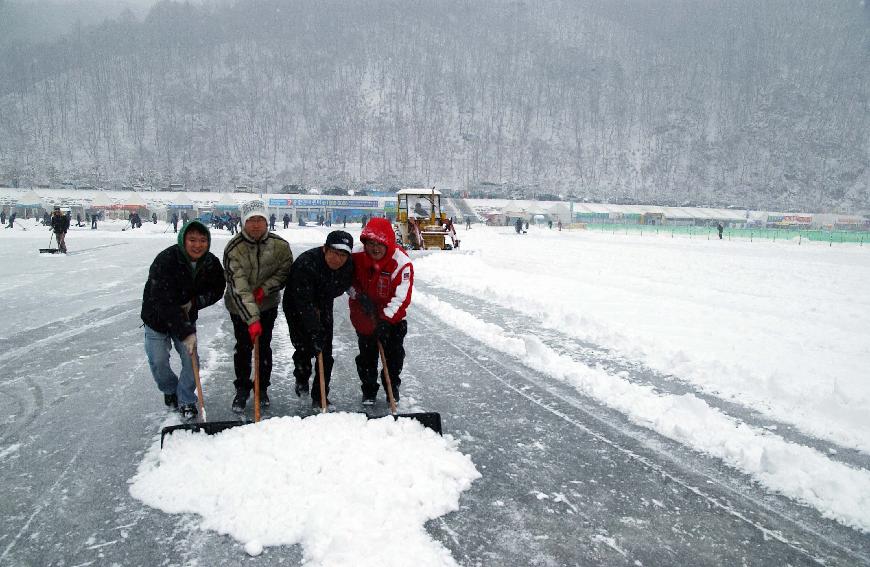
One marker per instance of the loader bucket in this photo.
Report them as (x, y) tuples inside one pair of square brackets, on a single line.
[(209, 428)]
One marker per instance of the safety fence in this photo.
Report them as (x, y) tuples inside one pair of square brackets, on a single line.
[(711, 233)]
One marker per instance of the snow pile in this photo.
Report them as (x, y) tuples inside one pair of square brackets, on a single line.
[(352, 491)]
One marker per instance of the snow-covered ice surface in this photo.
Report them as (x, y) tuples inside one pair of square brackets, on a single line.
[(625, 400)]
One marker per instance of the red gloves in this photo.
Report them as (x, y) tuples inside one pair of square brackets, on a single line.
[(259, 295), (255, 329)]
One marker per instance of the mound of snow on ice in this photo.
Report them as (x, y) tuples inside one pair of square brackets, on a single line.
[(352, 491)]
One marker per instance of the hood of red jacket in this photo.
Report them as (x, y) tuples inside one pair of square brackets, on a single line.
[(380, 230)]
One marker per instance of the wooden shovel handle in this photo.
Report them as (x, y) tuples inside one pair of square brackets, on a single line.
[(194, 361), (322, 378), (389, 383)]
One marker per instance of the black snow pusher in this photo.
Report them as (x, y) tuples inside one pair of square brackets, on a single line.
[(202, 425), (49, 250), (429, 419)]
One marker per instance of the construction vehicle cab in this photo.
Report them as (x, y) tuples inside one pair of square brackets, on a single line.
[(420, 222)]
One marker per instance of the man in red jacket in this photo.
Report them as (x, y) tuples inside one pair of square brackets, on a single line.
[(380, 294)]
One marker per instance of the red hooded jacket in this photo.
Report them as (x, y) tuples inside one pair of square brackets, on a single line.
[(388, 282)]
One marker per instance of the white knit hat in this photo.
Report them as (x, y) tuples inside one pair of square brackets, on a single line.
[(253, 209)]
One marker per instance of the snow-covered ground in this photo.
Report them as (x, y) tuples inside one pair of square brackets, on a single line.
[(757, 356), (779, 328)]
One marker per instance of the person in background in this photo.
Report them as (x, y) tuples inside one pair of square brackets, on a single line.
[(379, 297), (317, 277), (182, 280), (2, 216), (256, 265), (12, 216), (720, 228), (174, 221), (60, 225), (286, 219), (272, 219), (154, 218), (518, 226)]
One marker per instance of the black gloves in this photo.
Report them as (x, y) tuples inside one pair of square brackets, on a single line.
[(383, 331), (366, 303)]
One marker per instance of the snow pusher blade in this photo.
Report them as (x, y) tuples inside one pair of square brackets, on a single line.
[(204, 426), (207, 427), (430, 420), (49, 250)]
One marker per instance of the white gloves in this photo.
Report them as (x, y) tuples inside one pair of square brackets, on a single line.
[(190, 342)]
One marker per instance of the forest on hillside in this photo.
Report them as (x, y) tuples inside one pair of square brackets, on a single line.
[(746, 103)]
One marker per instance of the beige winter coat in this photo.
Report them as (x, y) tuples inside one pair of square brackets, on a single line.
[(250, 264)]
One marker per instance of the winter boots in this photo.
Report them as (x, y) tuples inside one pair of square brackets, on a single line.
[(171, 401), (188, 411), (240, 401), (301, 388)]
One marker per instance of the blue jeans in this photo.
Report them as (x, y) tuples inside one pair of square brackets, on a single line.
[(157, 347)]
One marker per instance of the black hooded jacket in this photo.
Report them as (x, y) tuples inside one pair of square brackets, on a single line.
[(173, 281), (311, 288)]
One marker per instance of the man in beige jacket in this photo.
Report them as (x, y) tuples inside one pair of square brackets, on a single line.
[(256, 264)]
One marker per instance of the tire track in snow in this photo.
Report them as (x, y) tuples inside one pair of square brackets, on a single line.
[(670, 464), (613, 363)]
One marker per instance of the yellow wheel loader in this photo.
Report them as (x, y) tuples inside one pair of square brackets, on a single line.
[(420, 222)]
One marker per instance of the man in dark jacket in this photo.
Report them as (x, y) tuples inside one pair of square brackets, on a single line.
[(316, 278), (60, 225), (183, 279)]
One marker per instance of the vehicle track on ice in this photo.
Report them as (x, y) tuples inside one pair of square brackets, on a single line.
[(614, 363), (568, 480)]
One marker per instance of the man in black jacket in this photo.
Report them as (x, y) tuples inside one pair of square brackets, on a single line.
[(183, 279), (316, 278)]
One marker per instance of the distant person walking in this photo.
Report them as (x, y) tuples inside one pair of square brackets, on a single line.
[(286, 219), (467, 223), (518, 226), (175, 222), (720, 228), (12, 219), (3, 216), (272, 220), (60, 224)]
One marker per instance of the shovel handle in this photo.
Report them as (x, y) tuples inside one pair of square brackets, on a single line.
[(322, 379), (389, 383), (257, 380), (194, 362)]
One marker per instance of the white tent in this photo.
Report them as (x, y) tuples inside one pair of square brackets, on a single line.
[(30, 200), (101, 201)]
